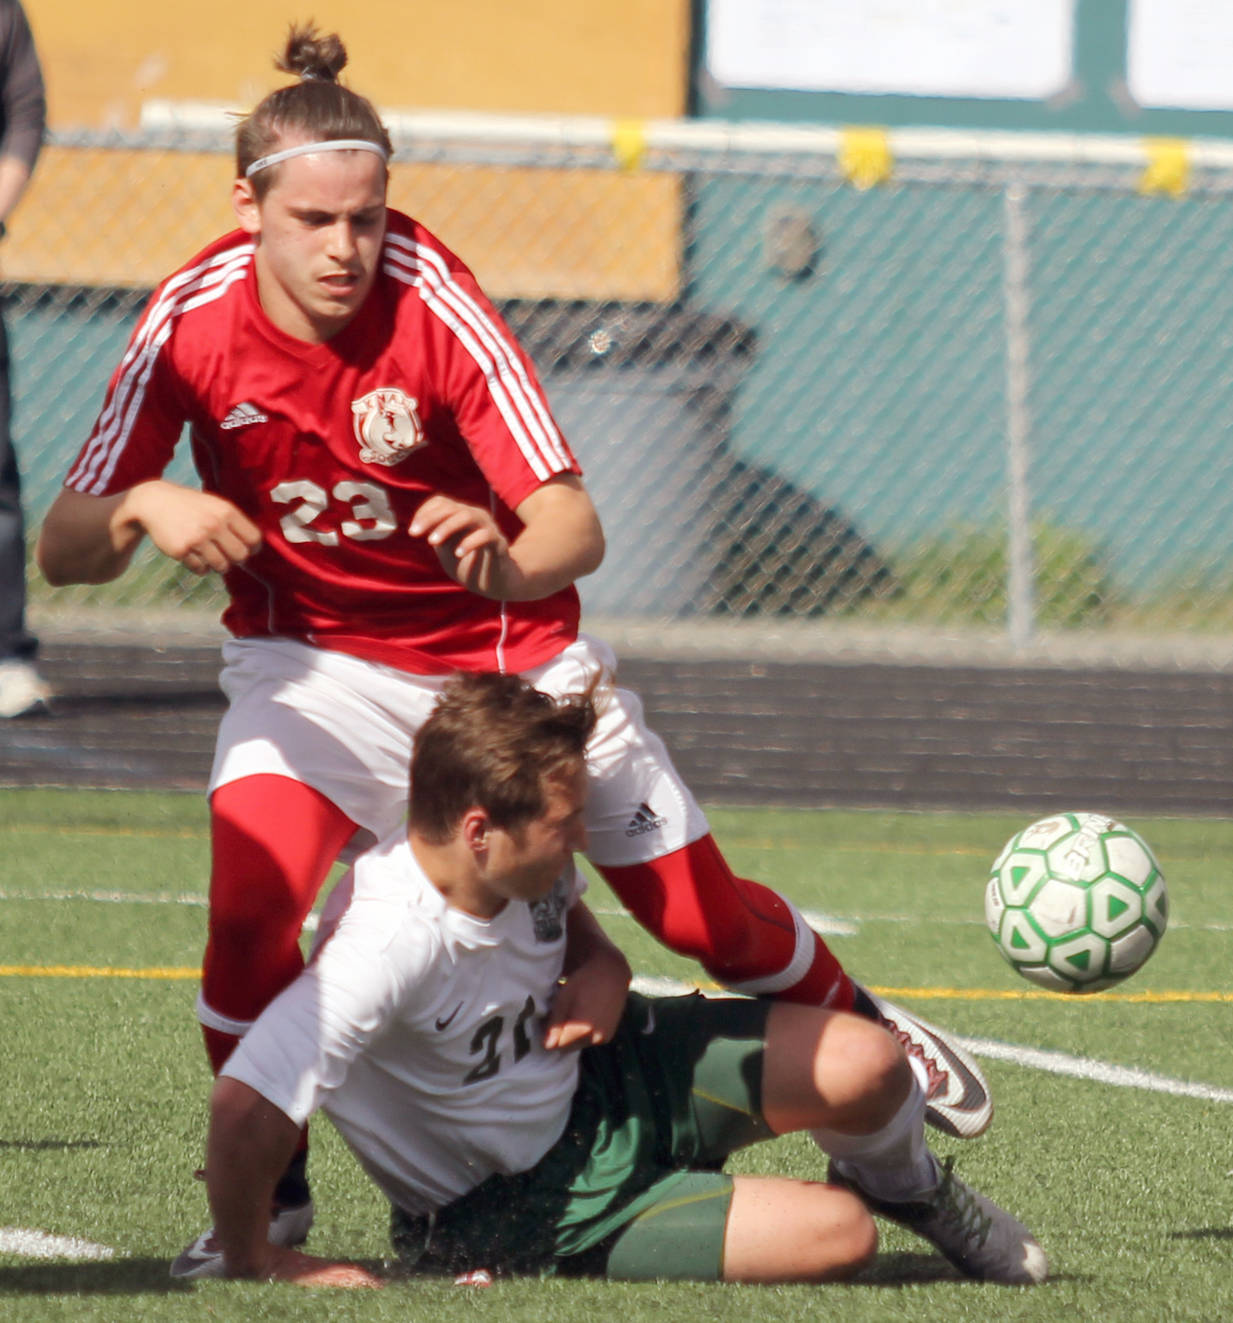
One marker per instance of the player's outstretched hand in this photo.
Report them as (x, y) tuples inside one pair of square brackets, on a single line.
[(202, 531), (471, 548), (289, 1265)]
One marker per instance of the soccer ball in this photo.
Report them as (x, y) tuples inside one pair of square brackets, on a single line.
[(1076, 902)]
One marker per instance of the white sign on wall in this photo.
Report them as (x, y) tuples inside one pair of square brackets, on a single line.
[(1180, 54), (1017, 49)]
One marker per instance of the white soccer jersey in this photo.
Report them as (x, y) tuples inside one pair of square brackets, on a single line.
[(418, 1029)]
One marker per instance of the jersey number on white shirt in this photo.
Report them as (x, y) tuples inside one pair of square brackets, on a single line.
[(487, 1037), (372, 514)]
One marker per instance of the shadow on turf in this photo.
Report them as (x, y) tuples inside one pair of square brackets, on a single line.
[(905, 1269), (115, 1277), (118, 1277), (1203, 1233), (132, 1276)]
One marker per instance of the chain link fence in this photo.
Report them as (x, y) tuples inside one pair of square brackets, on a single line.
[(825, 386)]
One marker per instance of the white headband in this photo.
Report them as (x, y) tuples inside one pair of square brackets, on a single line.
[(329, 145)]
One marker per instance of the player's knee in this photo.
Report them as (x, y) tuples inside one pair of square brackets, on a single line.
[(841, 1239), (862, 1074), (247, 964), (856, 1237), (252, 932), (253, 929), (746, 939), (733, 955), (722, 949), (255, 889)]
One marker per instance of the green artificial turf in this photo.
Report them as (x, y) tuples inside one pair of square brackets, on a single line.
[(103, 1082)]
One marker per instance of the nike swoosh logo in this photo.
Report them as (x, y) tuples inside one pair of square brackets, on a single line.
[(959, 1081), (970, 1090), (448, 1020), (649, 1027), (954, 1091)]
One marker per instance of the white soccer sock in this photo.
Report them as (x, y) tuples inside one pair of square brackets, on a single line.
[(893, 1163)]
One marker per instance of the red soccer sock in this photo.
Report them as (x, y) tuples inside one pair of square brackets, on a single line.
[(273, 840), (219, 1046), (741, 931)]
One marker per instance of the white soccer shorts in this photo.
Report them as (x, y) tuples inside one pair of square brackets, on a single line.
[(344, 726)]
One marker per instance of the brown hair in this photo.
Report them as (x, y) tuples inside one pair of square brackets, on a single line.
[(492, 742), (317, 107)]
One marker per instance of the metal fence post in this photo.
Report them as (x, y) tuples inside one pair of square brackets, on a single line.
[(1020, 607)]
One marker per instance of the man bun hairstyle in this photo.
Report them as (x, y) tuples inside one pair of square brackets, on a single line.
[(315, 108), (494, 741), (309, 56)]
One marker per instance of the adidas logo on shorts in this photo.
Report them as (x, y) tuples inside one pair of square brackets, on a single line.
[(645, 820)]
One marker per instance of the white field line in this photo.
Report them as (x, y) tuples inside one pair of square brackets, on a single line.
[(1055, 1063), (111, 897), (1102, 1072), (828, 925), (42, 1245)]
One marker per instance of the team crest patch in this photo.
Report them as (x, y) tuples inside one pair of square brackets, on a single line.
[(546, 913), (387, 425)]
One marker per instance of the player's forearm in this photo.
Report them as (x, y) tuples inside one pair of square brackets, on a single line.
[(544, 564), (87, 539), (561, 540), (249, 1146), (590, 998), (586, 942)]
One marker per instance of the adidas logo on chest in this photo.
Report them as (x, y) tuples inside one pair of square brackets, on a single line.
[(242, 415)]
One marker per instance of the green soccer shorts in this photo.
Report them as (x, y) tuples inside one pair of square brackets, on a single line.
[(634, 1189)]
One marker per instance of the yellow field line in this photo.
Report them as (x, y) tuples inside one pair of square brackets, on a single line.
[(92, 971), (1161, 997)]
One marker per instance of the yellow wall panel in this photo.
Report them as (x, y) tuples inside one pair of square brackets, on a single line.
[(552, 233), (126, 218), (608, 57), (129, 218)]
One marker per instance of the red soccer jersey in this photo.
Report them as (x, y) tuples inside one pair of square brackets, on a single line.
[(331, 448)]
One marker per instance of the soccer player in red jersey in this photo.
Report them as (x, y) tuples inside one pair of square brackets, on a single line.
[(388, 500)]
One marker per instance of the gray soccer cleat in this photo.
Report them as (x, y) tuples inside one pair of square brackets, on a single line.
[(979, 1238), (204, 1257), (957, 1100)]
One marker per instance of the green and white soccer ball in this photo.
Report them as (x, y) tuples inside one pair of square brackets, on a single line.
[(1076, 902)]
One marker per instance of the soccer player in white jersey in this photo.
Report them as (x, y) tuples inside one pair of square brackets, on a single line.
[(387, 498), (455, 972)]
